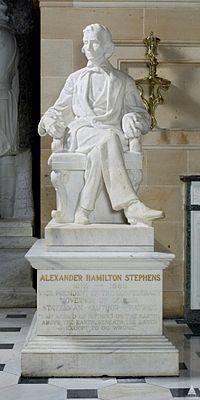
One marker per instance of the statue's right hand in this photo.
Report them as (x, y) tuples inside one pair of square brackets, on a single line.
[(41, 128), (47, 126)]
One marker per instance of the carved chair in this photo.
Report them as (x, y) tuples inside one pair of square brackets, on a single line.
[(67, 177)]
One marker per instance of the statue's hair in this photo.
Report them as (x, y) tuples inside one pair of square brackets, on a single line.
[(104, 32)]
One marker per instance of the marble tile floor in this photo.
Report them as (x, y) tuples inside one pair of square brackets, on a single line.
[(14, 326)]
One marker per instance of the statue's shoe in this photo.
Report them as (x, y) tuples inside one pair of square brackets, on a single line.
[(138, 212), (82, 216)]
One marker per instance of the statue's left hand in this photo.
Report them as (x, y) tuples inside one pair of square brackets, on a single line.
[(131, 126)]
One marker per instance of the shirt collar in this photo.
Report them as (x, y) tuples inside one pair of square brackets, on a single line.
[(106, 67)]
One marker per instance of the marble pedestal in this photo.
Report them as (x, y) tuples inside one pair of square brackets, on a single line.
[(16, 275), (16, 200), (99, 313), (98, 237), (16, 236)]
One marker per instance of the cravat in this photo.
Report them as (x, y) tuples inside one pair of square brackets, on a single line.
[(98, 69)]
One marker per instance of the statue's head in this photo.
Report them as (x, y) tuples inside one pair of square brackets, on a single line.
[(3, 11), (97, 42)]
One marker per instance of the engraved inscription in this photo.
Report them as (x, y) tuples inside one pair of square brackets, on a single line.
[(99, 277), (99, 304)]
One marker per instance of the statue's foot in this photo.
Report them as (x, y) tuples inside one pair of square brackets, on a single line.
[(139, 213), (82, 216)]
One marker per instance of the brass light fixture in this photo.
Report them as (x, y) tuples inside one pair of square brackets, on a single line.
[(155, 83)]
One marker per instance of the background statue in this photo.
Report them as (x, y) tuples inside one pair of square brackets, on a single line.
[(15, 163), (9, 93), (107, 111), (9, 87)]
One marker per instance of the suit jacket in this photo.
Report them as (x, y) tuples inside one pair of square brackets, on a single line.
[(120, 97)]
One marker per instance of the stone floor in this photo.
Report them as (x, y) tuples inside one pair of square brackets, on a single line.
[(14, 325)]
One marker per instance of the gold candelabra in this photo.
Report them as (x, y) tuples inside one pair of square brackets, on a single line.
[(155, 83)]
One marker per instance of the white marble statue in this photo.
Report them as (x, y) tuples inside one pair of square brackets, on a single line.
[(107, 111), (9, 86)]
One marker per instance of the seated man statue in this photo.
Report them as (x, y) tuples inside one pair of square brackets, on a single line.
[(107, 111)]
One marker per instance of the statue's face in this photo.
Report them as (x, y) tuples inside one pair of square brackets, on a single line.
[(93, 46)]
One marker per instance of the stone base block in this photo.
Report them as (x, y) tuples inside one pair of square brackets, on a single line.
[(22, 297), (16, 274), (15, 228), (16, 188), (89, 356), (16, 278), (98, 313), (106, 237)]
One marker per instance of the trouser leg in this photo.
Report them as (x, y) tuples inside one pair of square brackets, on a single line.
[(115, 176), (106, 160), (93, 180)]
